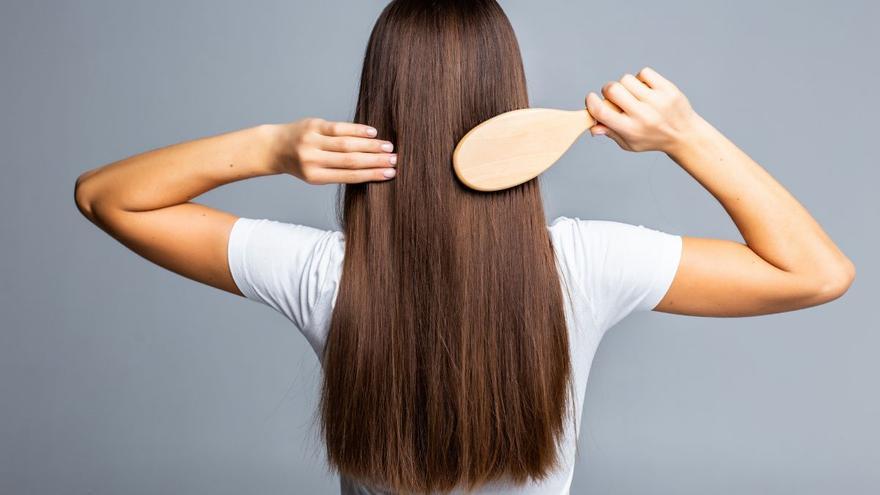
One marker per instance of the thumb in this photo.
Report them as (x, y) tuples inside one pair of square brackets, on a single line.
[(599, 130)]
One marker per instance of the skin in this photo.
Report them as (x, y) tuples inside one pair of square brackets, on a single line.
[(787, 261)]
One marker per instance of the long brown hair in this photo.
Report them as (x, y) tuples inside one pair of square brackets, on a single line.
[(447, 361)]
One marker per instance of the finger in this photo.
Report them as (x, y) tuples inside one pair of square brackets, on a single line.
[(620, 96), (636, 87), (350, 143), (355, 160), (654, 80), (340, 176), (606, 112), (599, 130), (330, 128), (608, 103)]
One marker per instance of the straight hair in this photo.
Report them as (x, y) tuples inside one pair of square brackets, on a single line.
[(447, 361)]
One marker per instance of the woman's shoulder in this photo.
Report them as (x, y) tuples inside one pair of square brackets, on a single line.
[(571, 232), (282, 236), (623, 267), (595, 230), (286, 265)]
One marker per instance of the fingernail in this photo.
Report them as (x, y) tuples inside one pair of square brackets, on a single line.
[(387, 147), (392, 159), (389, 172), (371, 132)]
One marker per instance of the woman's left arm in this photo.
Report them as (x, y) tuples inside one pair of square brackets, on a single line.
[(145, 201)]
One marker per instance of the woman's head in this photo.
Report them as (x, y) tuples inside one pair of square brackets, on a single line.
[(453, 63), (447, 362)]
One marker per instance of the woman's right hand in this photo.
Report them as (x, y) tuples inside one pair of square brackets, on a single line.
[(643, 112)]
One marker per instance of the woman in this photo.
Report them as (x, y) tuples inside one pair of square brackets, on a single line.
[(455, 328)]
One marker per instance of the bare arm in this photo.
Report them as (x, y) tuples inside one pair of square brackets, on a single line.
[(787, 261), (145, 201)]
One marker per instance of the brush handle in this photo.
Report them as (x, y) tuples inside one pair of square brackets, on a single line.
[(585, 118)]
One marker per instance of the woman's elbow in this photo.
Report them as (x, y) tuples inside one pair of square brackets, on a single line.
[(82, 197), (837, 282)]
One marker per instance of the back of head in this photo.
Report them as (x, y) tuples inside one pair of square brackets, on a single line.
[(447, 363)]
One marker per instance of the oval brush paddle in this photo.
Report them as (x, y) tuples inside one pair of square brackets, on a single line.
[(516, 146)]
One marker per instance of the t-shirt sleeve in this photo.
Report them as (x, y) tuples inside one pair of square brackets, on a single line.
[(282, 265), (622, 267)]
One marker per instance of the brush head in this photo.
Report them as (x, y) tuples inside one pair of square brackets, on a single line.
[(516, 146)]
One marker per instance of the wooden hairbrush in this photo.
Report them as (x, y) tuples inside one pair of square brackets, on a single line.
[(516, 146)]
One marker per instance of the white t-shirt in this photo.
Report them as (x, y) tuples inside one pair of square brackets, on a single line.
[(608, 270)]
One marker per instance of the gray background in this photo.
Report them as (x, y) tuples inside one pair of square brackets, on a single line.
[(120, 377)]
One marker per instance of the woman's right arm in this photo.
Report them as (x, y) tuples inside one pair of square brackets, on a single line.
[(787, 261)]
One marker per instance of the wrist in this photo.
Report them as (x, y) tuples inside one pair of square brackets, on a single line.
[(696, 133), (271, 139)]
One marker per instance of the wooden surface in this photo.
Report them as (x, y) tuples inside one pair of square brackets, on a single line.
[(514, 147)]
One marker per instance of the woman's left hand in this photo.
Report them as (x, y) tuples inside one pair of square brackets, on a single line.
[(643, 112), (319, 151)]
